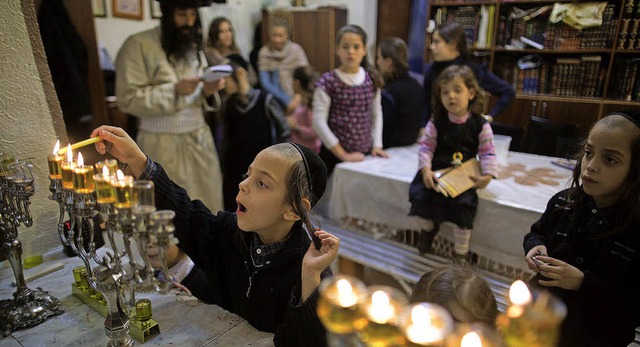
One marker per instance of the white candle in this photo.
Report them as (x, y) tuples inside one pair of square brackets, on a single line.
[(421, 330), (380, 311), (346, 296)]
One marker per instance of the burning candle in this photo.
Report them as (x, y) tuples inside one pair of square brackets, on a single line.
[(105, 192), (111, 164), (471, 339), (426, 324), (67, 170), (382, 309), (83, 182), (529, 321), (474, 335), (55, 163), (339, 304), (123, 186)]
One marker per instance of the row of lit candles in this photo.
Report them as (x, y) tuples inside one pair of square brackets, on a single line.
[(380, 316)]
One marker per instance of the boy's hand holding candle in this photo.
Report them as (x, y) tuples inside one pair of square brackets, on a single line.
[(119, 144)]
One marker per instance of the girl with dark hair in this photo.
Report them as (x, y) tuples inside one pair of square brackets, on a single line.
[(347, 114), (449, 47), (402, 96), (585, 248), (221, 41)]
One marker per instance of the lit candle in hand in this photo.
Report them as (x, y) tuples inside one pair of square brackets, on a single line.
[(55, 163)]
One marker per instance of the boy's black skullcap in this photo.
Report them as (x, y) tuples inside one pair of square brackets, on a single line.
[(185, 3), (316, 171), (631, 114), (237, 59)]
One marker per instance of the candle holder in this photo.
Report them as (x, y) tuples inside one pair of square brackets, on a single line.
[(474, 335), (340, 309), (382, 309), (29, 307), (532, 319), (426, 324), (110, 287)]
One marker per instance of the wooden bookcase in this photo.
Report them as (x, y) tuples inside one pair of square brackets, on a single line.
[(582, 71)]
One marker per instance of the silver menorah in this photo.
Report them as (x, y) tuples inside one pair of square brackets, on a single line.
[(29, 307), (128, 207)]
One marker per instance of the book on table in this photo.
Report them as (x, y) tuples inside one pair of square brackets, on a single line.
[(455, 180)]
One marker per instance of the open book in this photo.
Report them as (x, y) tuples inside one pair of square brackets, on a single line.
[(455, 180)]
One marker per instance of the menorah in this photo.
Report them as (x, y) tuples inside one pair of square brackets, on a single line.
[(29, 307), (128, 207)]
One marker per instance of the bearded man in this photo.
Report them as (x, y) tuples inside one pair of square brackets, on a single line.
[(158, 81)]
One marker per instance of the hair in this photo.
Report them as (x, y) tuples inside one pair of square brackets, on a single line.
[(173, 41), (236, 61), (396, 49), (459, 284), (307, 77), (280, 22), (378, 82), (627, 208), (214, 32), (453, 31), (298, 185), (468, 77)]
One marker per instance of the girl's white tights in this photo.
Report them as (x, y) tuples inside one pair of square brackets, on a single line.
[(461, 238)]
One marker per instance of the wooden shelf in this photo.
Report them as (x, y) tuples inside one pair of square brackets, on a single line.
[(553, 51)]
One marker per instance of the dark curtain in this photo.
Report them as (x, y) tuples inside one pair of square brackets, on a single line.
[(418, 25)]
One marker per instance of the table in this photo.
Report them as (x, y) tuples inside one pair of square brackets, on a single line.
[(181, 323), (375, 193)]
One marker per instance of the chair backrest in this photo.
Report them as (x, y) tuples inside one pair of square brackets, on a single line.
[(546, 137), (516, 133)]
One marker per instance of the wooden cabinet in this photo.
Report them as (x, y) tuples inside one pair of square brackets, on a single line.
[(581, 75), (313, 29)]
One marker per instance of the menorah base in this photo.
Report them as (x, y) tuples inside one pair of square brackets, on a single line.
[(141, 331), (28, 308)]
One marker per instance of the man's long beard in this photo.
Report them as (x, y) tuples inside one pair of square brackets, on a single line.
[(176, 43)]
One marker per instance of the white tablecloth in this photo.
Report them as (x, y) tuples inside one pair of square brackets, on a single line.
[(377, 190)]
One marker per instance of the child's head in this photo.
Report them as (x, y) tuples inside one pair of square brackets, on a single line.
[(459, 289), (221, 34), (239, 74), (457, 92), (278, 32), (609, 163), (304, 78), (281, 186), (351, 43), (448, 41), (391, 58)]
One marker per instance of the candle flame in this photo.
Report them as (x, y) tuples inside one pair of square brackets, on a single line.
[(471, 339), (120, 177), (105, 172), (379, 298), (56, 148), (420, 314), (519, 294), (380, 311), (80, 160), (346, 297), (69, 154)]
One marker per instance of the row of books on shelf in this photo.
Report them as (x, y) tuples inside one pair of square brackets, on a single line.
[(477, 21), (565, 77), (626, 80), (628, 37), (533, 24)]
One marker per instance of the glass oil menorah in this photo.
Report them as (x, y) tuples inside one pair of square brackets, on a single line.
[(128, 207), (29, 307)]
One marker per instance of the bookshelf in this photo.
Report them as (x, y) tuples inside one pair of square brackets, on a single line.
[(582, 75)]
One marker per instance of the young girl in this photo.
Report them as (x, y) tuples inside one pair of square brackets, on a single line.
[(301, 120), (346, 103), (455, 134), (461, 290), (253, 120), (260, 260), (402, 98), (276, 61), (586, 246)]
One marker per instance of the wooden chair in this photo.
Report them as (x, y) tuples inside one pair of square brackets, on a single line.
[(515, 132), (549, 138)]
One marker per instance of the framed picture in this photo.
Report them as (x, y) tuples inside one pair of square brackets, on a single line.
[(99, 8), (154, 5), (131, 9)]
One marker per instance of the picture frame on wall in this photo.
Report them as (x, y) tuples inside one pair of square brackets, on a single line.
[(99, 8), (131, 9), (154, 5)]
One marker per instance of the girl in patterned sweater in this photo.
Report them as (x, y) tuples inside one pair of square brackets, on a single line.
[(347, 114), (455, 134)]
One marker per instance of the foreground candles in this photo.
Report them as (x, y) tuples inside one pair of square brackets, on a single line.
[(339, 304), (67, 170), (426, 324), (83, 178), (55, 163), (382, 309), (105, 192), (124, 187), (531, 321), (474, 335)]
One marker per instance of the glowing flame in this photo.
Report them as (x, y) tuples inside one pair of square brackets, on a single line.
[(346, 297), (519, 294), (105, 172), (420, 314), (471, 339), (380, 310), (80, 160), (119, 175), (69, 154), (56, 148)]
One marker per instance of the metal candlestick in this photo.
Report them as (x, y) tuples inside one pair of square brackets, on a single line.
[(29, 307)]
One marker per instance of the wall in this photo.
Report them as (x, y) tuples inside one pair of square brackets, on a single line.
[(112, 31), (29, 113)]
